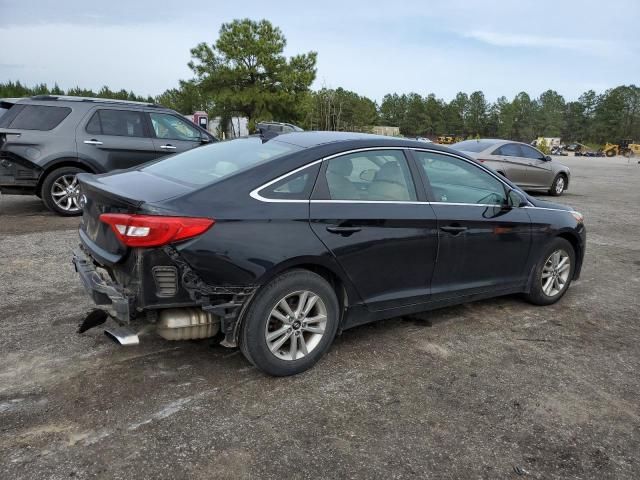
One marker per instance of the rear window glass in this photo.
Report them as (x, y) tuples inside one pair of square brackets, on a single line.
[(35, 117), (205, 165), (472, 145)]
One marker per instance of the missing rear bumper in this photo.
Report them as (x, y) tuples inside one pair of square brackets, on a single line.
[(103, 292)]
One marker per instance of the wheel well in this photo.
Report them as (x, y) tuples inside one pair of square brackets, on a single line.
[(64, 163), (566, 178), (329, 276), (574, 243)]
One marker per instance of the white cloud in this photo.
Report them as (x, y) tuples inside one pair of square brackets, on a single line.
[(584, 45)]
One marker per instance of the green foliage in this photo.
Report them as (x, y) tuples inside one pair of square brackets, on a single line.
[(543, 146), (245, 72), (339, 109)]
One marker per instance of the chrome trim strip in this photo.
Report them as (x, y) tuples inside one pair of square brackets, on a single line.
[(256, 195)]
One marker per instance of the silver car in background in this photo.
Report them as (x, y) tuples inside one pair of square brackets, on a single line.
[(524, 165)]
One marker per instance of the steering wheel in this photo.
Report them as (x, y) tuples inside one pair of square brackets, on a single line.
[(492, 196)]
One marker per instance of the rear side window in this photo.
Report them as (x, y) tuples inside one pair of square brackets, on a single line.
[(206, 165), (120, 123), (34, 117), (381, 175), (296, 186)]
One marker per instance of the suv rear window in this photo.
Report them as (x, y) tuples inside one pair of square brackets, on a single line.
[(34, 117), (205, 165)]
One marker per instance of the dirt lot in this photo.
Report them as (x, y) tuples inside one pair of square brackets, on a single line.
[(495, 389)]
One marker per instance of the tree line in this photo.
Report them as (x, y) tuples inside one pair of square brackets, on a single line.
[(244, 73)]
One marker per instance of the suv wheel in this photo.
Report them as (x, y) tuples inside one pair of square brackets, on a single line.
[(290, 323), (61, 192)]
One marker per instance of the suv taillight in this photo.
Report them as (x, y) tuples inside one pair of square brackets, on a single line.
[(154, 230)]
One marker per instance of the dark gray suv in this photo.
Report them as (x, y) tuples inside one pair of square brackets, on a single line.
[(46, 140)]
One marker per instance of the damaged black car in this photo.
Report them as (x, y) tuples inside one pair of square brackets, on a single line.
[(277, 245)]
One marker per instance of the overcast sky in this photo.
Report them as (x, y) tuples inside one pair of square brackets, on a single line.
[(372, 47)]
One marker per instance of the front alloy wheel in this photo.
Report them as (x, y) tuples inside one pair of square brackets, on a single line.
[(555, 273)]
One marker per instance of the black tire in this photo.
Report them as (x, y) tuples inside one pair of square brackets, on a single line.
[(557, 187), (536, 295), (610, 153), (47, 185), (253, 342)]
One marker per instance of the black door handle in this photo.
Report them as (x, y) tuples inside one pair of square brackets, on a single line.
[(344, 231), (454, 230)]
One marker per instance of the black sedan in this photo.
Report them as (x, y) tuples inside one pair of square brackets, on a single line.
[(277, 245)]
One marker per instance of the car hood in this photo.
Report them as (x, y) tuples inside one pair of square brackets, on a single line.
[(536, 202)]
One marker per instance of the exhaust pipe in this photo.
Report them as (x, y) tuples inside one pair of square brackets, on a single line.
[(122, 335)]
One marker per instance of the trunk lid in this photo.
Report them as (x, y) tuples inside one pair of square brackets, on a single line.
[(124, 192)]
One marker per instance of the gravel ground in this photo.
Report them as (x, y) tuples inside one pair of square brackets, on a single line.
[(493, 389)]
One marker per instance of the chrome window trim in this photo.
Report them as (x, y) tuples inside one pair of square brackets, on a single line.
[(256, 195)]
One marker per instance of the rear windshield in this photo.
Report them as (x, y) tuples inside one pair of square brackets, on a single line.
[(34, 117), (473, 145), (204, 165)]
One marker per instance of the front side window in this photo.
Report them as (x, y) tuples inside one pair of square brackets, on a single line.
[(454, 180), (530, 152), (119, 123), (508, 150), (211, 163), (170, 127), (379, 175)]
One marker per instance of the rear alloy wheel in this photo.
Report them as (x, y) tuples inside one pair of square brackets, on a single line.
[(290, 323), (553, 273), (61, 192), (558, 186)]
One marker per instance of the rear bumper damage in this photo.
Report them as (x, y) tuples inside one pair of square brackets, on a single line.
[(223, 305)]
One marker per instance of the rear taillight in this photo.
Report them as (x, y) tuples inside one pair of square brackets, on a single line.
[(154, 230)]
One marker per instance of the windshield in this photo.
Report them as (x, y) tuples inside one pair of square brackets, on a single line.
[(473, 145), (205, 165)]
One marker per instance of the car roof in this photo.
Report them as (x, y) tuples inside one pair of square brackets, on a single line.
[(67, 99), (316, 138)]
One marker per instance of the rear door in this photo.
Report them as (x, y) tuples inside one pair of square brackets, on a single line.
[(172, 134), (367, 212), (484, 242), (539, 172), (115, 138), (513, 165)]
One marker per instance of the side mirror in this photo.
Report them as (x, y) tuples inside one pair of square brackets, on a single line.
[(547, 158), (205, 139), (368, 175), (516, 199)]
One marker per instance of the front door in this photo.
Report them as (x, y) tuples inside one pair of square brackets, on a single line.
[(484, 242), (173, 134), (512, 164), (539, 173), (115, 139), (366, 211)]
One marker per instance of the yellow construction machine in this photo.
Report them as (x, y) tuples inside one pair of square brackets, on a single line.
[(627, 148)]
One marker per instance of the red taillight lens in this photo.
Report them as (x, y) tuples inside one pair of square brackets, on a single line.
[(482, 160), (154, 230)]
